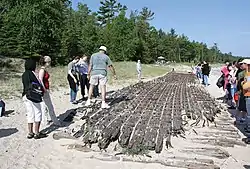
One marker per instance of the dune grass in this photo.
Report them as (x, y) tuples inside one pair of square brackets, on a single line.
[(10, 79), (11, 84), (126, 72)]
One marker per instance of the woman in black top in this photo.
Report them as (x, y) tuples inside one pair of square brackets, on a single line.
[(34, 112)]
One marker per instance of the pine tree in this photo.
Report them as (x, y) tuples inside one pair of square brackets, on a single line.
[(108, 10)]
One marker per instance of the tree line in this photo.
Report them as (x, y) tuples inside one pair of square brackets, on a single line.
[(54, 28)]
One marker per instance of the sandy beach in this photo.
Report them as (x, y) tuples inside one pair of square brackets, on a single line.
[(17, 152)]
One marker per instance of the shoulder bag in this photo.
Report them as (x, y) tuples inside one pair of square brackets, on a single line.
[(35, 91)]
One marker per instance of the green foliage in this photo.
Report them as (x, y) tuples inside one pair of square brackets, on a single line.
[(108, 11), (51, 27)]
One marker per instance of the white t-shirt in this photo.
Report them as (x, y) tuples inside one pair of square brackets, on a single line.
[(138, 67), (232, 79)]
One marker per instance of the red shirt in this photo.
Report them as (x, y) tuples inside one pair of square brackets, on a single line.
[(46, 79)]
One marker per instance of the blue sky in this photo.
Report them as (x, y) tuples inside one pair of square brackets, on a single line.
[(226, 22)]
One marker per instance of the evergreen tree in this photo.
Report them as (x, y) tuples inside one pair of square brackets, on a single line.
[(52, 27), (108, 11)]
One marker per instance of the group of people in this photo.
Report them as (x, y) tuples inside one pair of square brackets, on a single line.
[(36, 93), (36, 96), (202, 71), (90, 74), (236, 84)]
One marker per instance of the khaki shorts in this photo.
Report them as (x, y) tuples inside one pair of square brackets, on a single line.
[(98, 78)]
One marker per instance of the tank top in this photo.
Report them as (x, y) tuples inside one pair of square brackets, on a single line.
[(46, 79)]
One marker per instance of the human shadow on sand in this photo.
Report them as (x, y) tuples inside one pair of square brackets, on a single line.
[(8, 113), (66, 119), (246, 166), (7, 132), (240, 127)]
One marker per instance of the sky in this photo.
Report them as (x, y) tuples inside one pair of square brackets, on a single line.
[(225, 22)]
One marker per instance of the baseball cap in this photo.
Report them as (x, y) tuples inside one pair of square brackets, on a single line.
[(103, 48)]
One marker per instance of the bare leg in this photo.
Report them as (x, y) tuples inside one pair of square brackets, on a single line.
[(37, 127), (91, 87), (30, 127), (88, 103), (104, 104), (103, 90)]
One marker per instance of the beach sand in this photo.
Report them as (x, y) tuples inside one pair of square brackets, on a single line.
[(17, 152)]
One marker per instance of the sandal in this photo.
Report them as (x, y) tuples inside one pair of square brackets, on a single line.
[(40, 135), (30, 135)]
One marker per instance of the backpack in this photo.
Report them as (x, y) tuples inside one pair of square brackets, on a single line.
[(220, 82)]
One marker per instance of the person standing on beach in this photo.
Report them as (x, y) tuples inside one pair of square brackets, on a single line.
[(225, 72), (99, 62), (33, 108), (2, 107), (138, 68), (205, 72), (44, 76), (229, 86), (239, 69), (73, 79), (198, 72), (232, 82), (240, 114), (246, 91), (82, 66)]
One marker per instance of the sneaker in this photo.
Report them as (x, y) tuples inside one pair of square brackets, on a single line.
[(105, 106), (88, 103), (83, 99), (75, 102), (40, 135), (30, 135)]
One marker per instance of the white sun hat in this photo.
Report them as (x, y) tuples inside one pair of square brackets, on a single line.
[(103, 48), (246, 61)]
